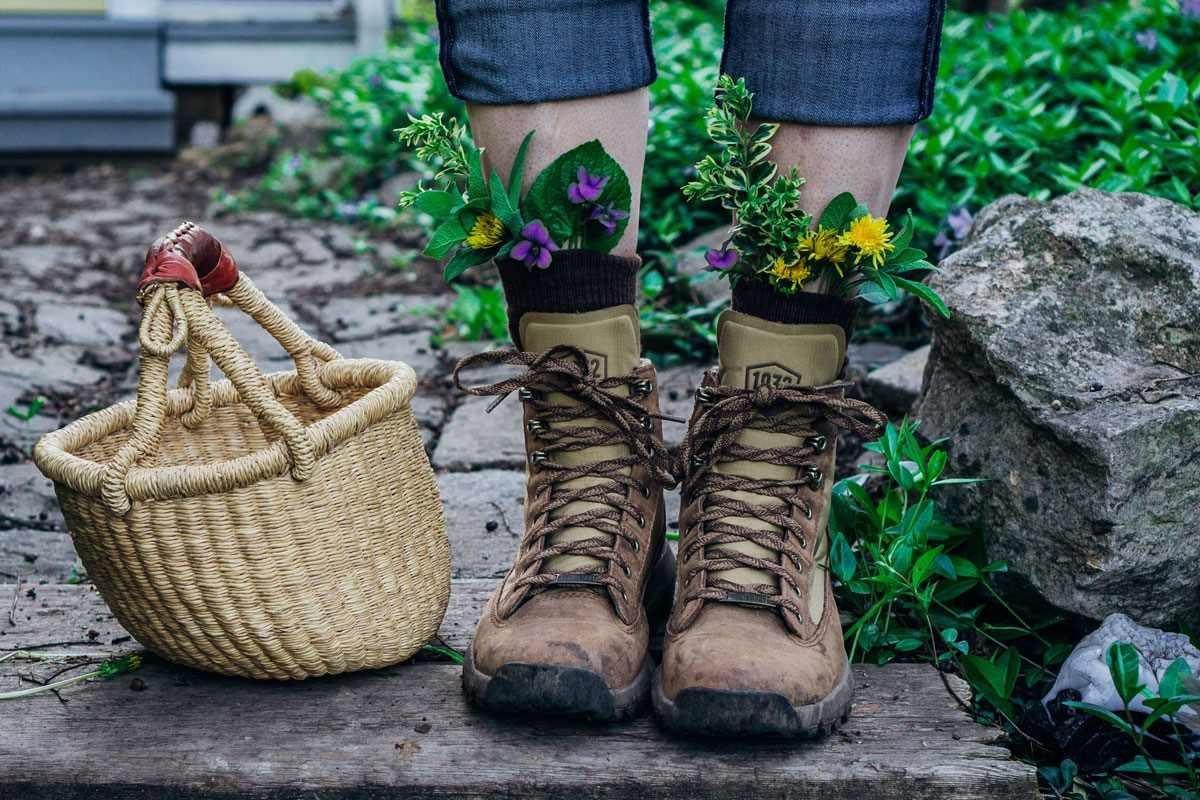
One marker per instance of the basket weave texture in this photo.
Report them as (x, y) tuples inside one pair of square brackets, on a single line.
[(281, 526)]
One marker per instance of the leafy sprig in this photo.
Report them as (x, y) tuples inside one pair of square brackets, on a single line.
[(581, 200), (770, 238)]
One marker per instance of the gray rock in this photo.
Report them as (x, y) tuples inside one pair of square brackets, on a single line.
[(48, 555), (71, 323), (474, 439), (484, 519), (894, 387), (1086, 669), (862, 357), (676, 396), (27, 499), (1052, 378), (39, 260)]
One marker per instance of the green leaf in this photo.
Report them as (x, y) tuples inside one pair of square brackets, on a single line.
[(437, 204), (1123, 665), (1102, 713), (464, 259), (1139, 765), (476, 185), (837, 213), (500, 205), (517, 175), (547, 199), (925, 293), (988, 679), (445, 238), (1172, 679), (902, 239), (841, 559)]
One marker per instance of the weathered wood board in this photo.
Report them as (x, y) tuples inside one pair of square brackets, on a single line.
[(407, 732)]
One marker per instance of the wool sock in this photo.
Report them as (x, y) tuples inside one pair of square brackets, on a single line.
[(760, 299), (576, 282)]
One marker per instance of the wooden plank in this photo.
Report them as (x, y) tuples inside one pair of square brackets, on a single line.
[(407, 732)]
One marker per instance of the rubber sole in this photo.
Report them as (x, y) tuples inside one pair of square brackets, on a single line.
[(726, 712), (549, 689)]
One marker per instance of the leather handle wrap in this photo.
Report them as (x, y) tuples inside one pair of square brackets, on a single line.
[(192, 256)]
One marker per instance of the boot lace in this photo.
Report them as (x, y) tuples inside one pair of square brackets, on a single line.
[(564, 370), (712, 440)]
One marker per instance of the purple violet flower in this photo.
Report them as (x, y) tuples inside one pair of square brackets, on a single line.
[(607, 216), (1190, 8), (959, 221), (720, 259), (375, 81), (1147, 39), (587, 188), (535, 246)]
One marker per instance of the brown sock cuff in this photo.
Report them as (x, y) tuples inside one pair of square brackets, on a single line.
[(761, 299), (577, 281)]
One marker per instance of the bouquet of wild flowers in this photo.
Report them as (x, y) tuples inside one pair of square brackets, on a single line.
[(581, 200), (771, 238)]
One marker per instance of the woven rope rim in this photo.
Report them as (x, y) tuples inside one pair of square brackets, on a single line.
[(394, 383)]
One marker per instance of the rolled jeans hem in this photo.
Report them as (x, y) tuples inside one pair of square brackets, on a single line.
[(499, 52), (836, 62)]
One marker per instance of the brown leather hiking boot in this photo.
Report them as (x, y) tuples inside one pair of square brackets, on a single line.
[(567, 631), (754, 643)]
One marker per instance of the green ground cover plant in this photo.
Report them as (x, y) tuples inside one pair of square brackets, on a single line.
[(1038, 102)]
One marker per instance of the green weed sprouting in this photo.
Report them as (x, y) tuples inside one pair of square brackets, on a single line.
[(109, 668), (26, 416)]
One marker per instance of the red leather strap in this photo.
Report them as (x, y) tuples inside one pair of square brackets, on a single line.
[(192, 256)]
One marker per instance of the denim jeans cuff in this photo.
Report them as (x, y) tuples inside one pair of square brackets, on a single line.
[(499, 53), (836, 62)]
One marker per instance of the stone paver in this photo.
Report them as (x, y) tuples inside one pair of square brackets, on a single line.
[(71, 323), (27, 498), (41, 556), (474, 439), (350, 318), (484, 520), (412, 348)]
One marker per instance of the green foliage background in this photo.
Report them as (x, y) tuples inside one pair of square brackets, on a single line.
[(1036, 102)]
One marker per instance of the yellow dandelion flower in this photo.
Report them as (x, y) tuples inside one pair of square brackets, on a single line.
[(823, 245), (795, 274), (870, 237), (488, 231)]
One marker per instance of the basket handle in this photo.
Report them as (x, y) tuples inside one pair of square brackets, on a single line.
[(219, 276), (175, 312)]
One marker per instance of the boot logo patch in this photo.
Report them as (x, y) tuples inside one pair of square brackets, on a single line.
[(597, 364), (770, 374)]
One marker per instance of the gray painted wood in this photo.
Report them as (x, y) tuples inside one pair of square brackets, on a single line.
[(406, 732)]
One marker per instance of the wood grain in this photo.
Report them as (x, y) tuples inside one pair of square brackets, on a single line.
[(406, 732)]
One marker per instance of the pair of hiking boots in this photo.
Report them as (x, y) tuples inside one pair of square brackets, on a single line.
[(750, 636)]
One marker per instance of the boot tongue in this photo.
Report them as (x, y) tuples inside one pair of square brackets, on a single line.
[(754, 353), (610, 338)]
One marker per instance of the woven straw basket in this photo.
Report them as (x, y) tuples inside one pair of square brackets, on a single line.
[(279, 526)]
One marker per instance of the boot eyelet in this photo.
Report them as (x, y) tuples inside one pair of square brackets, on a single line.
[(645, 490), (703, 395), (535, 426), (808, 512), (644, 387), (647, 422), (641, 521), (636, 546), (624, 597), (818, 443), (628, 572), (803, 543), (524, 394), (814, 481), (538, 457), (697, 462)]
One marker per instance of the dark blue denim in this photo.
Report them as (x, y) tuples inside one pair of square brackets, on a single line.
[(818, 62)]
